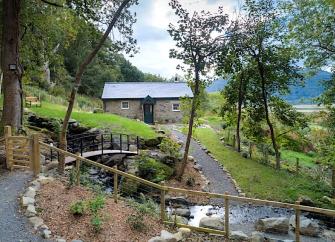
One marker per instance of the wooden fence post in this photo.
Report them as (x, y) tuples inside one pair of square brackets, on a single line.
[(297, 222), (226, 215), (9, 154), (162, 205), (36, 155), (78, 172), (250, 150), (115, 192), (297, 166)]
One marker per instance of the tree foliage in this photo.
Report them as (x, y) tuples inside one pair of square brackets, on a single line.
[(196, 47)]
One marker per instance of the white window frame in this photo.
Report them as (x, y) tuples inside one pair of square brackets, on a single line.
[(175, 110), (122, 102)]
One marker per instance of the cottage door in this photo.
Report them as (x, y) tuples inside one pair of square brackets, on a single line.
[(148, 113)]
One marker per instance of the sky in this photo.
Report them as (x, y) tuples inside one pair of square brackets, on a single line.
[(154, 42)]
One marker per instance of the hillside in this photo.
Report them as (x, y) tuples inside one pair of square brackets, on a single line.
[(312, 89)]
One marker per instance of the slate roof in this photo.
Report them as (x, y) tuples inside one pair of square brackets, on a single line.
[(139, 90)]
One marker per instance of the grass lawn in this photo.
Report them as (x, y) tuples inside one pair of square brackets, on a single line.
[(260, 181), (304, 160), (98, 120)]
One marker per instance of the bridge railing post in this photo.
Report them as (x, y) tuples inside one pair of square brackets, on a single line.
[(102, 144), (81, 146), (121, 143), (115, 190), (137, 144), (112, 141), (128, 143), (78, 172)]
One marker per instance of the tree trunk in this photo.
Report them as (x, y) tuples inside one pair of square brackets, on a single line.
[(239, 114), (267, 116), (190, 125), (12, 89), (88, 59)]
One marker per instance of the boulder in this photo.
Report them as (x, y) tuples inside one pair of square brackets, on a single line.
[(27, 201), (277, 240), (31, 211), (31, 192), (185, 232), (190, 158), (183, 212), (60, 240), (180, 219), (36, 222), (156, 239), (257, 237), (45, 180), (212, 223), (197, 167), (273, 225), (177, 200), (46, 234), (238, 236), (154, 142), (306, 201), (307, 226), (168, 237)]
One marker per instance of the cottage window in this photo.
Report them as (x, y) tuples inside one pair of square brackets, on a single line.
[(124, 105), (175, 107)]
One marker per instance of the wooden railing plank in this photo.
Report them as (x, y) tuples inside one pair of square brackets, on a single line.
[(200, 193)]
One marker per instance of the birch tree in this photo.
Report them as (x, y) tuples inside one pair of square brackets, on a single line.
[(196, 47)]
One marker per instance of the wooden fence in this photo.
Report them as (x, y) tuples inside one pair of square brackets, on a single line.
[(35, 160)]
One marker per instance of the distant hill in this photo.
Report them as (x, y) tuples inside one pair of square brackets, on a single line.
[(312, 89)]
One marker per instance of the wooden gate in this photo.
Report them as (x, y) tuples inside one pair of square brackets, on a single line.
[(19, 151)]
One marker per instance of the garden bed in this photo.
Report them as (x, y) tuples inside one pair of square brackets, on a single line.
[(54, 202)]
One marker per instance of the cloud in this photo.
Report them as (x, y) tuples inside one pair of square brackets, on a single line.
[(151, 33)]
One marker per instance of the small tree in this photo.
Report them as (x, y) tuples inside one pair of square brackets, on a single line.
[(197, 48), (119, 12), (233, 64), (275, 64)]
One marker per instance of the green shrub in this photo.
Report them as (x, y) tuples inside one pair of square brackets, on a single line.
[(170, 147), (96, 204), (136, 221), (129, 187), (78, 208), (145, 205), (98, 110), (153, 170), (96, 223)]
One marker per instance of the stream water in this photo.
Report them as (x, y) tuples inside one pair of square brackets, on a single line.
[(242, 217)]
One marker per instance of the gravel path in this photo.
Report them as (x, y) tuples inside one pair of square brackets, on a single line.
[(219, 180), (14, 227)]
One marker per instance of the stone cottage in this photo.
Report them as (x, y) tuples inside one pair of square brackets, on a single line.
[(148, 101)]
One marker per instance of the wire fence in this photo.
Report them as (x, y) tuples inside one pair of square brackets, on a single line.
[(169, 203)]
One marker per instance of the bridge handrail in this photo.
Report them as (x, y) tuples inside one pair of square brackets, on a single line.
[(80, 136), (164, 189)]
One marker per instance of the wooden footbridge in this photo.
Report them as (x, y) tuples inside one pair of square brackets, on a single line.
[(99, 144)]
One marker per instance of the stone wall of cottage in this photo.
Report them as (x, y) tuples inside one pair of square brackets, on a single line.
[(162, 110), (135, 110)]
